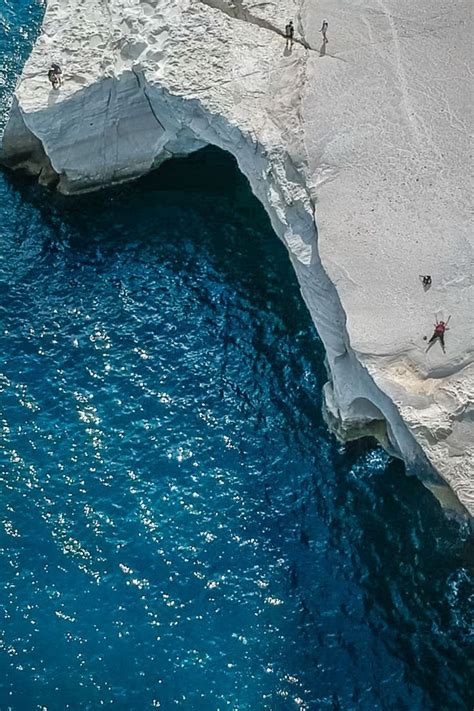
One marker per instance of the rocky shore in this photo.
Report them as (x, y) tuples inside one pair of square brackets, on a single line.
[(357, 148)]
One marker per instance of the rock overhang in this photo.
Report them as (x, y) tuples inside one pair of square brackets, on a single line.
[(159, 79)]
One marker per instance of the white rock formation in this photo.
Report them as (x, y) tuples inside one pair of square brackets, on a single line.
[(367, 137)]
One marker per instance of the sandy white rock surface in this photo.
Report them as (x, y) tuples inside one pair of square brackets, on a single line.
[(358, 150)]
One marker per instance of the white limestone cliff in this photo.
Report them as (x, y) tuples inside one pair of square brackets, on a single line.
[(357, 149)]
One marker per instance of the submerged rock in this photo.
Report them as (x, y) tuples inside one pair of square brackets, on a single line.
[(356, 148)]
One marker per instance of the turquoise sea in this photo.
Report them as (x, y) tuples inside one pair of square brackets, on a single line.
[(178, 529)]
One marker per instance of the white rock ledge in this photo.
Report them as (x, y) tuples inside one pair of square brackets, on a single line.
[(369, 134)]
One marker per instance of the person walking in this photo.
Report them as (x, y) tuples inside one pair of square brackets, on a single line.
[(289, 34), (324, 29)]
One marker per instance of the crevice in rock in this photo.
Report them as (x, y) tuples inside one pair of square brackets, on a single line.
[(236, 10), (142, 85)]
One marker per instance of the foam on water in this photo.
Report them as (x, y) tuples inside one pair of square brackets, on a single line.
[(178, 527)]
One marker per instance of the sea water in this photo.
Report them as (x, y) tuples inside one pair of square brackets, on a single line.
[(178, 529)]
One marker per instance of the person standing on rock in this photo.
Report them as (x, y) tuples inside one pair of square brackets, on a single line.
[(54, 75), (324, 29), (289, 34)]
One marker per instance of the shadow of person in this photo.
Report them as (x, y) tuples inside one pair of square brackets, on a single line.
[(287, 50), (53, 97), (322, 49)]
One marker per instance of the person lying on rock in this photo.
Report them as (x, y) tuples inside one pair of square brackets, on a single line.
[(438, 335), (289, 34), (54, 75)]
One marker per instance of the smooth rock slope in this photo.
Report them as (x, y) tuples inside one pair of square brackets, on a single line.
[(358, 150)]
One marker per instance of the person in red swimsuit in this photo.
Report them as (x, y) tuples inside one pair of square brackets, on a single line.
[(438, 335)]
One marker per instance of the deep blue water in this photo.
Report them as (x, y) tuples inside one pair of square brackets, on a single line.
[(178, 528)]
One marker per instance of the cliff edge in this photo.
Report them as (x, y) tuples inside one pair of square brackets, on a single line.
[(357, 148)]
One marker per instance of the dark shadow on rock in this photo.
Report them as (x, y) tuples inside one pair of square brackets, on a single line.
[(322, 50), (53, 97)]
